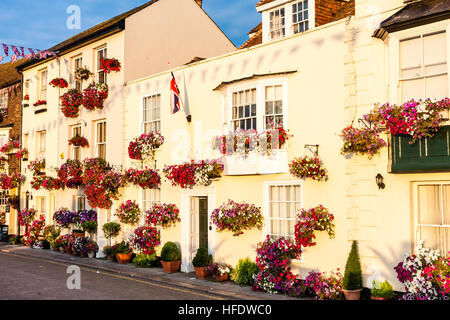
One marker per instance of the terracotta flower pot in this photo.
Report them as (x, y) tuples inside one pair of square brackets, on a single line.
[(200, 272), (78, 234), (67, 249), (171, 266), (378, 298), (74, 252), (221, 278), (83, 254), (55, 248), (352, 294), (123, 258)]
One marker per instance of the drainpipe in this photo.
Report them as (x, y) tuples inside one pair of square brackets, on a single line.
[(20, 160)]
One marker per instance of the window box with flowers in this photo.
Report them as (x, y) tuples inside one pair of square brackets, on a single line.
[(146, 178), (249, 152), (59, 83), (11, 182), (40, 106), (11, 147), (194, 173), (26, 101)]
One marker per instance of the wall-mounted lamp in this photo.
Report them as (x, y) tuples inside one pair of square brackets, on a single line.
[(379, 180), (29, 195)]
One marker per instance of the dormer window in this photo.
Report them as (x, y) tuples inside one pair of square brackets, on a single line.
[(300, 16), (277, 23)]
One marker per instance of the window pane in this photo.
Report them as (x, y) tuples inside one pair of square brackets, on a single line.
[(429, 204), (410, 53), (436, 87), (412, 89), (434, 49)]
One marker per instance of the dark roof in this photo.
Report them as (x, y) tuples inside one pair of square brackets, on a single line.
[(194, 60), (261, 2), (254, 76), (413, 15), (9, 74), (114, 24)]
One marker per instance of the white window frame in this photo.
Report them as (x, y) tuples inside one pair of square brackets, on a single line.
[(149, 201), (417, 225), (304, 21), (266, 206), (74, 68), (394, 88), (260, 86), (141, 110), (97, 63), (38, 204), (41, 151), (74, 148), (282, 26), (288, 11), (4, 97), (97, 144), (4, 201), (42, 93)]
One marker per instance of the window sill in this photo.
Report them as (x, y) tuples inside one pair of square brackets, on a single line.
[(256, 164), (40, 109)]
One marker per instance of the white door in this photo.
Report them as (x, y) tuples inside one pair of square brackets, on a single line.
[(194, 227)]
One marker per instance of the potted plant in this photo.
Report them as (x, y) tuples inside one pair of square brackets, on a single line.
[(219, 271), (170, 257), (352, 283), (201, 261), (91, 248), (51, 233), (89, 227), (143, 260), (109, 253), (381, 290), (111, 230), (123, 252)]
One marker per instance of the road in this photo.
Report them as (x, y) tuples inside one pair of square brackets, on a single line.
[(27, 278)]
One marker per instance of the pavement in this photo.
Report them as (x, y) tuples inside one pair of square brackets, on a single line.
[(156, 276)]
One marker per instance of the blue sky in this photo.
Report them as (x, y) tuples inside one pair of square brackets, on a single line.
[(42, 24)]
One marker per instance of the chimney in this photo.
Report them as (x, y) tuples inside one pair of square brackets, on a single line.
[(199, 2)]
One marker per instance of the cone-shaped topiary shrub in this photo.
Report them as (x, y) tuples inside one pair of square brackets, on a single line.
[(353, 275)]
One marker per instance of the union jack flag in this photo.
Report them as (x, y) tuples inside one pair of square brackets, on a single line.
[(175, 102)]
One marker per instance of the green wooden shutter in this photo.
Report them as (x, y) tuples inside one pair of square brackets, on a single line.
[(425, 155)]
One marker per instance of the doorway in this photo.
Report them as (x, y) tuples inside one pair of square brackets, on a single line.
[(197, 229)]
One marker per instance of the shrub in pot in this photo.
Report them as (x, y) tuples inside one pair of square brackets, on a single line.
[(381, 291), (201, 261), (123, 252), (109, 253), (352, 282), (244, 271), (170, 257), (89, 227), (143, 260), (111, 230)]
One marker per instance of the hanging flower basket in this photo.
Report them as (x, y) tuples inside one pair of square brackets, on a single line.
[(94, 96), (307, 167), (163, 215), (70, 103), (71, 174), (78, 141), (146, 179), (146, 239), (26, 216), (82, 74), (129, 212), (14, 201), (309, 221), (237, 217), (22, 154), (109, 65), (10, 182), (26, 97), (190, 174), (363, 141), (144, 146), (50, 183), (59, 83)]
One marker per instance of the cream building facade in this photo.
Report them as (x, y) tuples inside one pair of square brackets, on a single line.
[(320, 79)]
